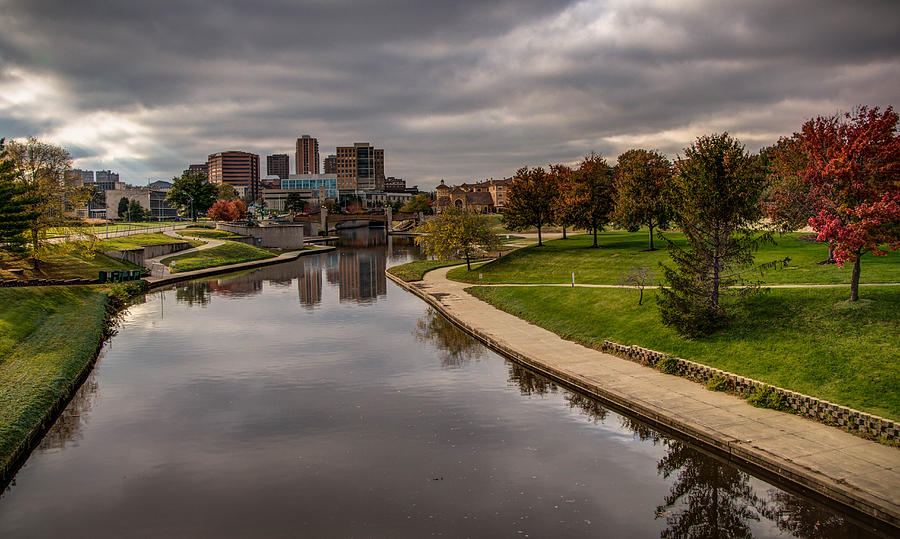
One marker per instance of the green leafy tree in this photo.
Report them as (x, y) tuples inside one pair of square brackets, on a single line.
[(715, 192), (530, 200), (590, 194), (418, 203), (193, 188), (457, 232), (14, 200), (564, 212), (122, 210), (42, 169), (642, 177), (294, 202), (227, 192)]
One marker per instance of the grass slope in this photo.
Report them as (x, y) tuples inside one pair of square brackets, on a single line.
[(620, 251), (230, 252), (136, 241), (806, 340), (47, 336), (414, 271), (205, 232), (61, 263)]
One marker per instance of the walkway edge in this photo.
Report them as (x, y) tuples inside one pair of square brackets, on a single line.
[(172, 278), (754, 458)]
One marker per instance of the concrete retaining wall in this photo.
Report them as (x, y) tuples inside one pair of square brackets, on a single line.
[(820, 410), (275, 236), (138, 256)]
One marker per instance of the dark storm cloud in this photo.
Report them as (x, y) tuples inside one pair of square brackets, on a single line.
[(453, 89)]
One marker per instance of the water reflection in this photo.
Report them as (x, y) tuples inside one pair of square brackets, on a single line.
[(455, 347), (67, 427)]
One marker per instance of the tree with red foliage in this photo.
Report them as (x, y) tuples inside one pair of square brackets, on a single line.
[(227, 210), (530, 200), (642, 183), (563, 211), (854, 177), (591, 194)]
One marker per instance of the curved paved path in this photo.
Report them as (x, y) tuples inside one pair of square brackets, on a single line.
[(834, 463), (158, 269)]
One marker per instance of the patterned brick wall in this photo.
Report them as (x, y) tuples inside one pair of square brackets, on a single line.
[(820, 410)]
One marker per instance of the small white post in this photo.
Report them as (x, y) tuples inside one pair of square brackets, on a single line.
[(573, 279)]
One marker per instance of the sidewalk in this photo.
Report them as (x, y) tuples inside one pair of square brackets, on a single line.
[(158, 269), (855, 472)]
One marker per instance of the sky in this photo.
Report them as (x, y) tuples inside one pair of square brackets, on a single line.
[(461, 90)]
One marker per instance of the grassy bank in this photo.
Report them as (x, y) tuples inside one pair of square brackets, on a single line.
[(228, 253), (60, 263), (414, 271), (207, 233), (806, 340), (47, 337), (136, 241), (620, 251)]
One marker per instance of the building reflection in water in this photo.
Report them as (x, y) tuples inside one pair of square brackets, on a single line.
[(309, 283), (708, 498)]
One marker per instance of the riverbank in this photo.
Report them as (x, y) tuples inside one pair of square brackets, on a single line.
[(833, 464), (50, 340)]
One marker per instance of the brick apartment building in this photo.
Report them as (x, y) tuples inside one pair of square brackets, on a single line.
[(307, 155), (360, 166), (238, 169), (278, 165)]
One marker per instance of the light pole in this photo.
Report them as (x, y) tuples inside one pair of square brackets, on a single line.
[(192, 206)]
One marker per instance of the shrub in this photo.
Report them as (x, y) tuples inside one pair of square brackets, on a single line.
[(717, 382), (668, 365), (766, 397)]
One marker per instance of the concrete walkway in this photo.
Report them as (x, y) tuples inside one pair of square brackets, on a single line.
[(842, 467), (158, 269)]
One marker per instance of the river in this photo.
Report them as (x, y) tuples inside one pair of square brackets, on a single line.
[(316, 398)]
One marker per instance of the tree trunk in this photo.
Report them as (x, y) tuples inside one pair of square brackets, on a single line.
[(854, 281), (468, 265), (564, 232), (540, 243), (651, 238), (641, 297), (594, 226)]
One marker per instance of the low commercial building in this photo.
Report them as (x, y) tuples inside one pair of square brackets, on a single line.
[(312, 188), (153, 200)]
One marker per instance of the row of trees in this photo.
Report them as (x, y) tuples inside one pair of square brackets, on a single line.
[(839, 175)]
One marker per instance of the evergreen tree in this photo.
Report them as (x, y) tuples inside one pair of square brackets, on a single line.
[(135, 210), (15, 218), (716, 196), (122, 210)]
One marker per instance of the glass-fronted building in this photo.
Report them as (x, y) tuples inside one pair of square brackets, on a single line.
[(312, 182)]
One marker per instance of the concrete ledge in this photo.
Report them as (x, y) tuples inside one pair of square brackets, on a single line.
[(756, 458), (196, 274)]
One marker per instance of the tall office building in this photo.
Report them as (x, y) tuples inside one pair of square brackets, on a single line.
[(360, 166), (307, 155), (278, 165), (238, 169), (331, 164)]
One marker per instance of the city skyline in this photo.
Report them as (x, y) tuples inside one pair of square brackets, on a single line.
[(458, 91)]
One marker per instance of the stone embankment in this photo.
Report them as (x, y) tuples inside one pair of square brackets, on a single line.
[(837, 466)]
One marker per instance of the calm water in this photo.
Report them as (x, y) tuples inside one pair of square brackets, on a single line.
[(318, 399)]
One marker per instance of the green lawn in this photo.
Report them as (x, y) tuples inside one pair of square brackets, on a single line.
[(414, 271), (231, 252), (204, 232), (61, 263), (47, 336), (136, 241), (806, 340), (557, 259)]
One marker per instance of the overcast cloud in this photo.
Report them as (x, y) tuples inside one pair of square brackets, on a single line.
[(457, 90)]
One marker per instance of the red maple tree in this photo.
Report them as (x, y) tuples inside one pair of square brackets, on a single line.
[(854, 177), (225, 210)]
